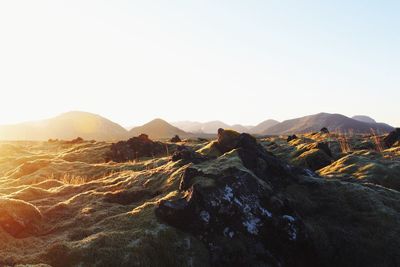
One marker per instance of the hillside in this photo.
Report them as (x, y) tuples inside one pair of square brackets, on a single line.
[(158, 129), (263, 126), (364, 118), (210, 127), (235, 201), (334, 122), (65, 126)]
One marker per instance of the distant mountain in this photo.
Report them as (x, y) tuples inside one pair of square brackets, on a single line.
[(210, 127), (363, 118), (239, 128), (334, 122), (65, 126), (263, 126), (188, 126), (158, 129)]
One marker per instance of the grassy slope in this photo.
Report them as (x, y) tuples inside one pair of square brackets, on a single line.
[(86, 211)]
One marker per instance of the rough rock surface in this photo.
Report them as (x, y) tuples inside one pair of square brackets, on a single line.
[(137, 147), (237, 214), (18, 217), (392, 138), (187, 155), (227, 140), (291, 137), (255, 216), (324, 130), (176, 139), (62, 205), (313, 156)]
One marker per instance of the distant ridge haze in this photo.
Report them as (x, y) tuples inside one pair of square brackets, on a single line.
[(87, 125), (334, 122), (158, 129)]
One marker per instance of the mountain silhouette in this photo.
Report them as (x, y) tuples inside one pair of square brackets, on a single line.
[(334, 122), (65, 126), (157, 129), (263, 126), (363, 118)]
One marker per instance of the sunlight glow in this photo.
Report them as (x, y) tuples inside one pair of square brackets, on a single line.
[(240, 63)]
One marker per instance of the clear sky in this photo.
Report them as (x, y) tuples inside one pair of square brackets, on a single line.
[(236, 61)]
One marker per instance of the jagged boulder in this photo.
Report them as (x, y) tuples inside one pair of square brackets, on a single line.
[(187, 155), (227, 140), (232, 207), (137, 147), (313, 159), (291, 137), (18, 217), (239, 218), (324, 130), (77, 140), (251, 209), (313, 156), (176, 139), (324, 147), (392, 138)]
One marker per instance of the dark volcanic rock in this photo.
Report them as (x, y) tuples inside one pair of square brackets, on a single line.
[(227, 140), (240, 220), (77, 140), (392, 138), (18, 218), (324, 130), (313, 156), (176, 139), (126, 197), (238, 216), (291, 137), (187, 155), (313, 159), (251, 209), (137, 147), (324, 147)]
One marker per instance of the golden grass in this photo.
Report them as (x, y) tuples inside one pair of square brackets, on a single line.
[(344, 143), (377, 141)]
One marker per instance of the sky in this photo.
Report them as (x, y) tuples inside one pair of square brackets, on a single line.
[(235, 61)]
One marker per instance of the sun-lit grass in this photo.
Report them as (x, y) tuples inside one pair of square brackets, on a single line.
[(344, 143), (377, 141), (70, 179)]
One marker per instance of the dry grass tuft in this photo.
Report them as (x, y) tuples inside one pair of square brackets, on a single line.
[(344, 143), (71, 179), (377, 141)]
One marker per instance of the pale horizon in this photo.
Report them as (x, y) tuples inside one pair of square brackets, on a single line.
[(128, 126), (235, 62)]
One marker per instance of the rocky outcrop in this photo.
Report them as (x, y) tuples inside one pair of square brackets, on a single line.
[(313, 159), (324, 130), (18, 218), (176, 139), (227, 140), (187, 155), (291, 137), (313, 156), (251, 209), (392, 138), (137, 147), (77, 140), (237, 213)]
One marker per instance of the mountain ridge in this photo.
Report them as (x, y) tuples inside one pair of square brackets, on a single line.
[(158, 128), (334, 122), (89, 126)]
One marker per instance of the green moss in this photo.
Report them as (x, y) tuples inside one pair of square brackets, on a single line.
[(210, 150), (313, 159)]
